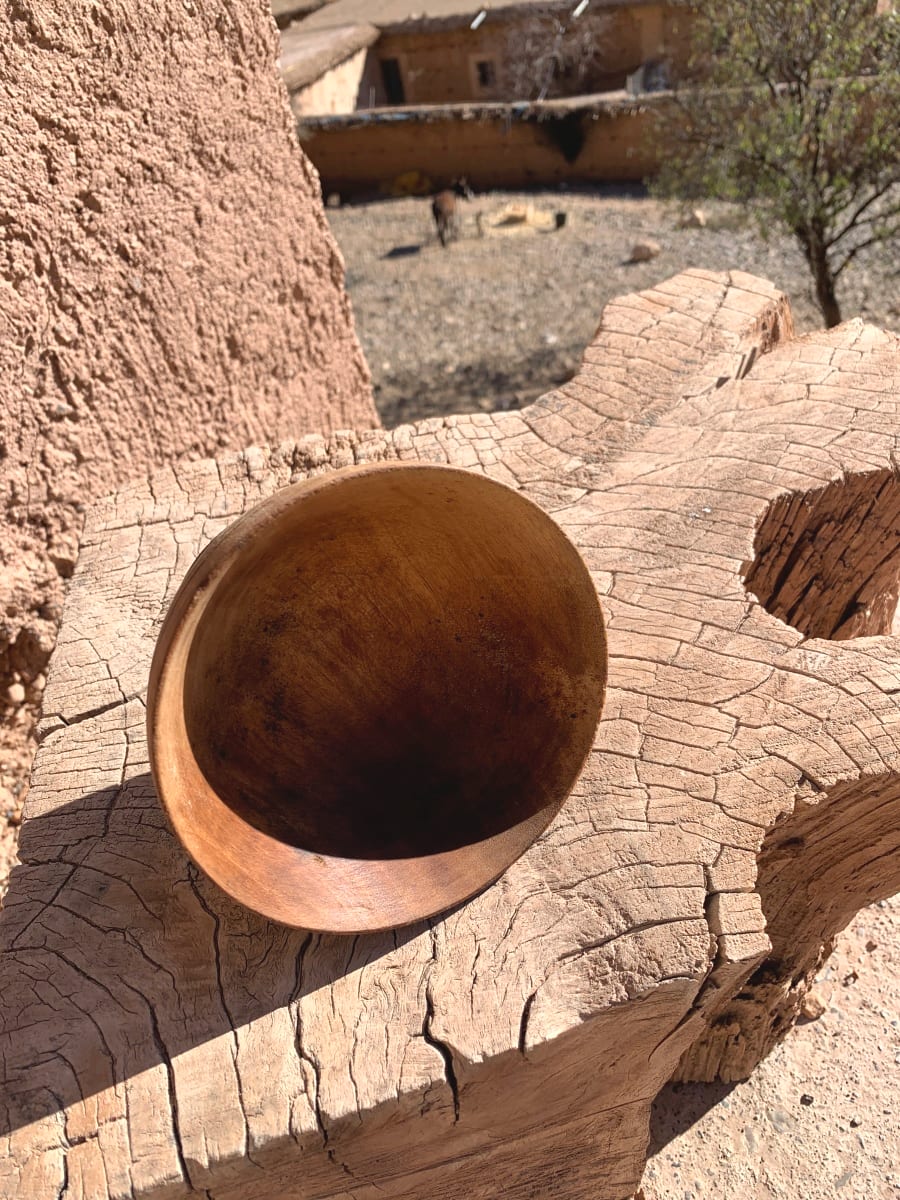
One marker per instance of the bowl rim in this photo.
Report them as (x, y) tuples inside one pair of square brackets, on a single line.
[(165, 690)]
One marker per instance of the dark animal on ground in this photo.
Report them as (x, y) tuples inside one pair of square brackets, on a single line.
[(445, 209)]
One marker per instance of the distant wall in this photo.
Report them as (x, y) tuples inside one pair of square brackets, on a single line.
[(440, 66), (676, 31), (497, 145), (354, 83)]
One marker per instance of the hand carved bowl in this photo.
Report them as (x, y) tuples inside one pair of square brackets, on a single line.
[(372, 693)]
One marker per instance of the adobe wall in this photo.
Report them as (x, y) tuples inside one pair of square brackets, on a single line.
[(676, 23), (351, 84), (494, 147), (168, 283)]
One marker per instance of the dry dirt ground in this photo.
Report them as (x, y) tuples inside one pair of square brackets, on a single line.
[(495, 321), (820, 1118)]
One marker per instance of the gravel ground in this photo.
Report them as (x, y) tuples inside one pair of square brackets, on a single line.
[(495, 321), (820, 1118)]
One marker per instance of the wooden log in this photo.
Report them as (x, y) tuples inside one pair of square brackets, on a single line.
[(158, 1039)]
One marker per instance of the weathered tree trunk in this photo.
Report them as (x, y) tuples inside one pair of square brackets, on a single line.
[(158, 1038), (813, 246)]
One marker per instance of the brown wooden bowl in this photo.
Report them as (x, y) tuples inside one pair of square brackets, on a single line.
[(372, 693)]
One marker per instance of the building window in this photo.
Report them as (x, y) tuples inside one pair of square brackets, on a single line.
[(487, 76), (393, 81)]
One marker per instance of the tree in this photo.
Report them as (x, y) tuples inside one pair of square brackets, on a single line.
[(791, 107), (549, 55)]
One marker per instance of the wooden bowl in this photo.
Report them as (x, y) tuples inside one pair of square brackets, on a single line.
[(372, 693)]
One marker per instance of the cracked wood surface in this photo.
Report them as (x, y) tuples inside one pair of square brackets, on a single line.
[(159, 1040)]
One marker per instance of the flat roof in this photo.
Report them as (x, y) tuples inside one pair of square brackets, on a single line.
[(306, 54), (399, 14), (285, 11), (598, 103)]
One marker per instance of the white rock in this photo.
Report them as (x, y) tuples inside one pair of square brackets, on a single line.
[(695, 219)]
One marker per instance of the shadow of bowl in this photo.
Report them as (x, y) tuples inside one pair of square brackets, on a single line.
[(372, 693)]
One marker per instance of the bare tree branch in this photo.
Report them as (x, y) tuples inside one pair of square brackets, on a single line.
[(789, 106)]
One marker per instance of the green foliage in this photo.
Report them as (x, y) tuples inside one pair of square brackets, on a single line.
[(792, 108)]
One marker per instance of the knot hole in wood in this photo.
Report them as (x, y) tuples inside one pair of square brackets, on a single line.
[(827, 560)]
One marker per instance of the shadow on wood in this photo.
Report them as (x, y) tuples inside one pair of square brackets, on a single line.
[(106, 1009)]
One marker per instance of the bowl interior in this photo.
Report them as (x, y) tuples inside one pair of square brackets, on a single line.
[(399, 664)]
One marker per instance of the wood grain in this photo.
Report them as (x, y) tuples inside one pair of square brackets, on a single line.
[(160, 1040)]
